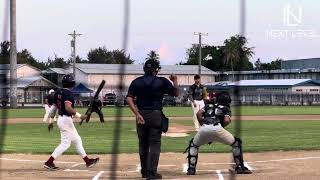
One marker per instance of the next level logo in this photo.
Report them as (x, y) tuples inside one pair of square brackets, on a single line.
[(292, 25)]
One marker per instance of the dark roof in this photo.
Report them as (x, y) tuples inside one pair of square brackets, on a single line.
[(264, 83), (80, 88), (301, 63), (138, 69)]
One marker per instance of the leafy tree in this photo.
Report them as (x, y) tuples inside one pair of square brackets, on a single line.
[(273, 65), (153, 55), (258, 64), (25, 57), (78, 60), (237, 54), (5, 52), (57, 62), (120, 57), (102, 56)]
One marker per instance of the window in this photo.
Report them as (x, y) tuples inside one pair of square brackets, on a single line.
[(314, 90), (298, 90)]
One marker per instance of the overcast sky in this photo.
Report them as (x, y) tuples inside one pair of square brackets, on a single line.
[(166, 26)]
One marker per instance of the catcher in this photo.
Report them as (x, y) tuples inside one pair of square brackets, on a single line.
[(213, 118)]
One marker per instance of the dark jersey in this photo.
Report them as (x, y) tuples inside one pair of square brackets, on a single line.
[(61, 97), (50, 98), (214, 113), (149, 91), (196, 92)]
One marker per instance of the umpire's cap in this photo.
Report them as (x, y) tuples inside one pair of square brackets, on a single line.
[(151, 64), (223, 98), (68, 81)]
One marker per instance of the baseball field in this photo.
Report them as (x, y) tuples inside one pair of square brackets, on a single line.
[(278, 142)]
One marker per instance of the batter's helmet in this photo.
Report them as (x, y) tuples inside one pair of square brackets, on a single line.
[(151, 65), (68, 81), (51, 91), (224, 98)]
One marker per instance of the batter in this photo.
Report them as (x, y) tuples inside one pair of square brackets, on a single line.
[(64, 101)]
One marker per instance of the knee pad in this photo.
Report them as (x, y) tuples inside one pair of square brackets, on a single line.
[(192, 157), (237, 152)]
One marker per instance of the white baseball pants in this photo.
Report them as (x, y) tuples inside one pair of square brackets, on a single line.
[(69, 134)]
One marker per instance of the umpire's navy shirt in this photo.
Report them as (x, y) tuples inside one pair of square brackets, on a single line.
[(149, 91)]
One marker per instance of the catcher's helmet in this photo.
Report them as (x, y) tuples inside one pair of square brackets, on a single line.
[(151, 65), (223, 98), (68, 81)]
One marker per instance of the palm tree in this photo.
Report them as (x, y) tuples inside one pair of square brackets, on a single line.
[(153, 55), (235, 50)]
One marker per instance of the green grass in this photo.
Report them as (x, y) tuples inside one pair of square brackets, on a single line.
[(258, 136), (177, 111)]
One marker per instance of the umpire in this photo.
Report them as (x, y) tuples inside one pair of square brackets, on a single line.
[(148, 91)]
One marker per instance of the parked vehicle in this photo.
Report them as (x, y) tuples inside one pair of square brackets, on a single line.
[(109, 99)]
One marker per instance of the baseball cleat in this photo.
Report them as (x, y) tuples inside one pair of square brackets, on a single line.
[(154, 176), (242, 170), (50, 166), (92, 162), (191, 171)]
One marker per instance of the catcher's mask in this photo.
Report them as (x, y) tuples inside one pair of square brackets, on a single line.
[(151, 66), (224, 98)]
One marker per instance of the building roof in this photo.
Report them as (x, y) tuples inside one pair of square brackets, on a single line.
[(138, 69), (58, 71), (25, 82), (271, 82), (265, 83), (301, 63), (279, 71)]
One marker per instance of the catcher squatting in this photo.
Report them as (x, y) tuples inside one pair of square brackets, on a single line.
[(212, 118)]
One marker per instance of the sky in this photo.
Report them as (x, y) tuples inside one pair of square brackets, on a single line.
[(287, 29)]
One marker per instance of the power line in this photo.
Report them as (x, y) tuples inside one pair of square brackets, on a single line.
[(200, 34), (13, 54), (74, 36)]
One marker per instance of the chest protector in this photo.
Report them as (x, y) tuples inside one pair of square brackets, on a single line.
[(215, 113)]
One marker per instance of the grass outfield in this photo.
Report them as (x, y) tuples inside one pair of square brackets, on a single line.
[(177, 111), (258, 136)]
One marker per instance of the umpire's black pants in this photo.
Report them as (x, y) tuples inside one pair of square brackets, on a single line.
[(149, 135)]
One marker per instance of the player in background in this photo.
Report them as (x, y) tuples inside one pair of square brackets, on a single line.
[(48, 106), (64, 101), (197, 94)]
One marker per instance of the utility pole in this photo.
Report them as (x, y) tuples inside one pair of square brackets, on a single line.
[(74, 36), (13, 55), (200, 34)]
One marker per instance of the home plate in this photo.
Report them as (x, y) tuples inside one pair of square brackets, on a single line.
[(175, 134)]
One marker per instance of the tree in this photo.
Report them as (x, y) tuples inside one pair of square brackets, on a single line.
[(78, 60), (25, 57), (258, 64), (153, 55), (120, 57), (236, 54), (212, 57), (273, 65), (102, 56), (57, 62), (5, 52)]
